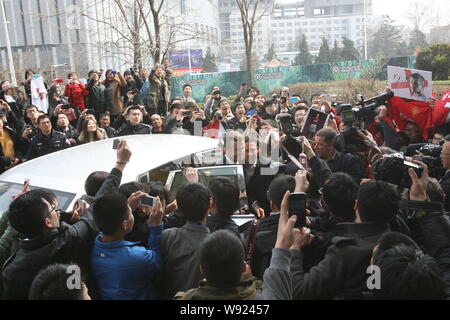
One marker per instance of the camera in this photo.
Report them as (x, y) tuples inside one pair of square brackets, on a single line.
[(431, 157), (218, 116), (285, 122), (66, 106), (365, 111), (187, 113), (394, 169), (350, 141)]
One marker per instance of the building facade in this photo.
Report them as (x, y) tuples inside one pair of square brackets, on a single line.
[(54, 37), (284, 27)]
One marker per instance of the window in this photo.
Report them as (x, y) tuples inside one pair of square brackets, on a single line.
[(281, 24), (290, 31), (289, 24)]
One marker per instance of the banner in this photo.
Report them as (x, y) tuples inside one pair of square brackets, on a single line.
[(410, 83), (441, 109), (180, 61), (268, 79)]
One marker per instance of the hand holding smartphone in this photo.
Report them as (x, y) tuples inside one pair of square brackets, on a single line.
[(297, 206)]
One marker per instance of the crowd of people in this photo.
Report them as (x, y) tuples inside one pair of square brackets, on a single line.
[(375, 193)]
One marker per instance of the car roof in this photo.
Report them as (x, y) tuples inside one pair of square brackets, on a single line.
[(67, 170)]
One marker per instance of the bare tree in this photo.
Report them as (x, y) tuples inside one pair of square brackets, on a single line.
[(147, 28), (252, 11)]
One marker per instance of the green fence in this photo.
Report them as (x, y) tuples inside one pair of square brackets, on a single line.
[(268, 79)]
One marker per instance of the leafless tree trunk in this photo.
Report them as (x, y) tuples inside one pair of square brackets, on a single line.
[(251, 13)]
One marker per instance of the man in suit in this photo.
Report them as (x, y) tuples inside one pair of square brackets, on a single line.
[(337, 161)]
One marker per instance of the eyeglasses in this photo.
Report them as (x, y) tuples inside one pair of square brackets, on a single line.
[(53, 209)]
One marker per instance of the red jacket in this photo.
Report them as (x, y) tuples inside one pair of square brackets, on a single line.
[(76, 93)]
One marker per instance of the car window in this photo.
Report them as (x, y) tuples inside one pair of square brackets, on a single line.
[(8, 189)]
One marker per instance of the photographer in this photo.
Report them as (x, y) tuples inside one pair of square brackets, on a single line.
[(75, 91), (240, 119), (134, 84), (96, 98), (159, 92), (213, 102)]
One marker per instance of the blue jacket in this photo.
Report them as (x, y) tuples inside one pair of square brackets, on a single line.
[(125, 271)]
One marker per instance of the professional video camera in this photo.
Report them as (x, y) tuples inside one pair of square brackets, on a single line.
[(394, 169), (430, 155), (365, 111), (286, 123), (352, 141)]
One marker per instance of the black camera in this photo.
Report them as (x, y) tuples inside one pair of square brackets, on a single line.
[(285, 122), (364, 113), (66, 106), (218, 116), (431, 150), (351, 141), (394, 169)]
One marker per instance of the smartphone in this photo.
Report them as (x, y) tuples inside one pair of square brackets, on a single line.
[(26, 181), (244, 84), (116, 144), (294, 99), (148, 201), (187, 113), (66, 106), (297, 206), (218, 92), (114, 72)]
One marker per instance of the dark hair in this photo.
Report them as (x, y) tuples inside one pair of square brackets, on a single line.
[(407, 274), (27, 72), (300, 108), (132, 109), (175, 106), (41, 117), (339, 193), (278, 188), (225, 193), (254, 89), (378, 201), (391, 239), (31, 106), (327, 133), (157, 189), (193, 201), (94, 182), (222, 259), (71, 74), (187, 85), (28, 212), (127, 189), (447, 138), (234, 107), (109, 212), (51, 284), (106, 114), (190, 104), (268, 103), (435, 191)]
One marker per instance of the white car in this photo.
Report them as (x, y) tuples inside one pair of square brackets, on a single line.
[(154, 158)]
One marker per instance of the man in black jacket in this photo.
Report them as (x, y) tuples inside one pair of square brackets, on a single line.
[(96, 98), (342, 273), (337, 161), (134, 83), (45, 240), (134, 124), (225, 202)]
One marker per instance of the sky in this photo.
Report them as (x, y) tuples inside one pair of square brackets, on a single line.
[(398, 9)]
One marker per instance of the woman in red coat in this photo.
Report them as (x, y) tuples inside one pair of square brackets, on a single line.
[(75, 91)]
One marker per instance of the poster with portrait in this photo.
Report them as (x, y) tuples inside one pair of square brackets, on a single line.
[(314, 121), (410, 83)]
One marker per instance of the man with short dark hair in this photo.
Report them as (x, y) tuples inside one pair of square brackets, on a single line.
[(342, 273), (180, 246), (157, 124), (51, 284), (63, 125), (45, 240), (47, 140), (225, 202), (187, 92), (134, 124), (337, 161), (123, 270)]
